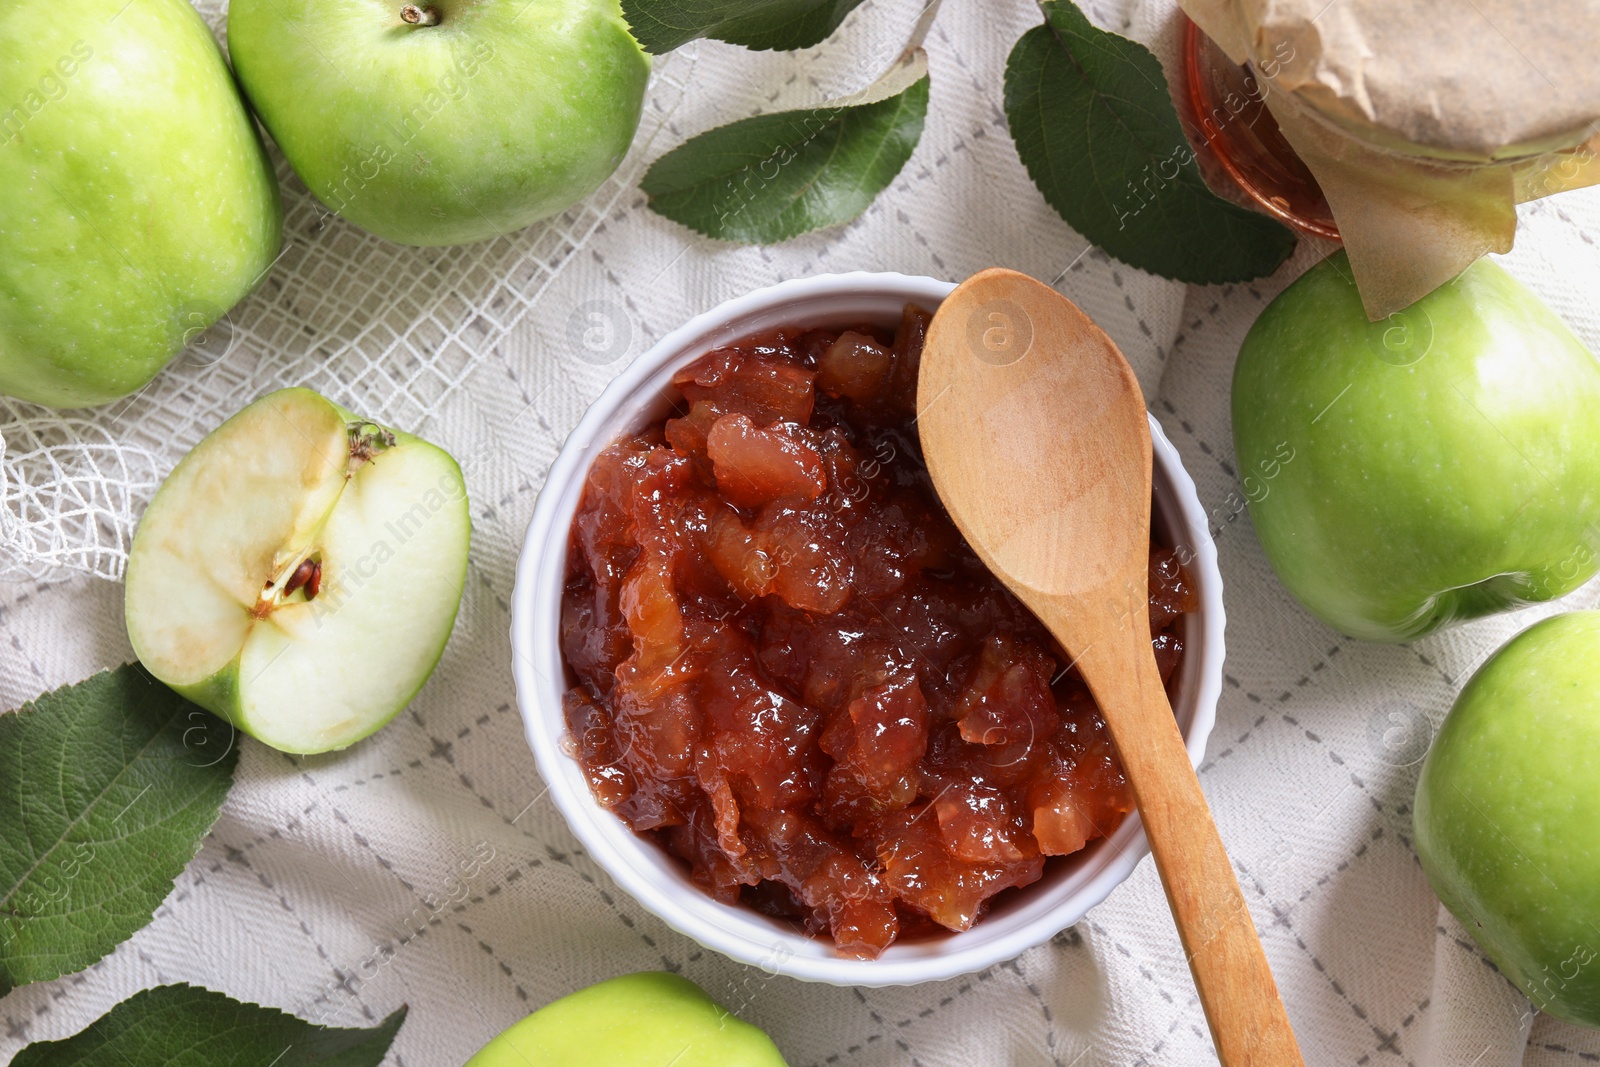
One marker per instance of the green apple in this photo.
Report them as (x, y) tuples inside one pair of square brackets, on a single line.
[(639, 1020), (139, 205), (1433, 467), (445, 121), (1508, 813), (299, 571)]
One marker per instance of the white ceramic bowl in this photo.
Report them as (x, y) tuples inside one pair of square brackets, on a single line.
[(660, 882)]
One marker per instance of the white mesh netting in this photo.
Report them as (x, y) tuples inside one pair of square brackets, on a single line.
[(378, 326)]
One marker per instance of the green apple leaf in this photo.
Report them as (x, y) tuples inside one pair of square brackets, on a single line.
[(186, 1026), (106, 789), (1098, 133), (772, 177), (662, 25)]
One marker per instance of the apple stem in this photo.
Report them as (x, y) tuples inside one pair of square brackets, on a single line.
[(419, 16), (364, 445)]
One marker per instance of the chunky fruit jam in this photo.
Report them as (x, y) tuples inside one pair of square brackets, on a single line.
[(795, 675)]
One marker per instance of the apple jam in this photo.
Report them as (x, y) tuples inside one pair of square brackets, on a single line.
[(794, 673)]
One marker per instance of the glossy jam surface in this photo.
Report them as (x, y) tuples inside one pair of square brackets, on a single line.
[(796, 676)]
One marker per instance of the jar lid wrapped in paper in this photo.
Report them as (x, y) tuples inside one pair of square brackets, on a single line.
[(1425, 122)]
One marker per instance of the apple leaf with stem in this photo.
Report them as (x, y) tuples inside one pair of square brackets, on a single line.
[(662, 25), (1096, 129), (107, 787), (772, 177), (186, 1026)]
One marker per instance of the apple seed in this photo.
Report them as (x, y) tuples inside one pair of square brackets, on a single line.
[(301, 576)]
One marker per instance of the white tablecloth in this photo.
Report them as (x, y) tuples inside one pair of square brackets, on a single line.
[(347, 868)]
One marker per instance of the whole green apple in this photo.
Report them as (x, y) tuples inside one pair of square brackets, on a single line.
[(1508, 813), (1435, 466), (446, 121), (139, 205), (647, 1019), (299, 571)]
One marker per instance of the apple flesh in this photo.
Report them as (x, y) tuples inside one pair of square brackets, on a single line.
[(445, 121), (139, 205), (1437, 466), (638, 1020), (300, 570), (1508, 813)]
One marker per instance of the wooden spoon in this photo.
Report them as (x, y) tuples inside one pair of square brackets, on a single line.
[(1035, 433)]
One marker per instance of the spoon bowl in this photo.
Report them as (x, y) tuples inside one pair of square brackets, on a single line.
[(1054, 390)]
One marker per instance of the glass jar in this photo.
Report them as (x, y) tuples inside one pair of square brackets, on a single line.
[(1237, 142)]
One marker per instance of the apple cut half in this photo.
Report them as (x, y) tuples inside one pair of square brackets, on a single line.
[(300, 570)]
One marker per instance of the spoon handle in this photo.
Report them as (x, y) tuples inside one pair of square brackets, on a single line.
[(1241, 1001)]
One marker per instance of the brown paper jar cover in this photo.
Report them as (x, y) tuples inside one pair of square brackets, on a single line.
[(1425, 121)]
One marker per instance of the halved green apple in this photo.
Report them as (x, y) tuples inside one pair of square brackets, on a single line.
[(300, 570)]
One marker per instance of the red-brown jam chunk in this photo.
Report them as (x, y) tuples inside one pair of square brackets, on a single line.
[(794, 673)]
